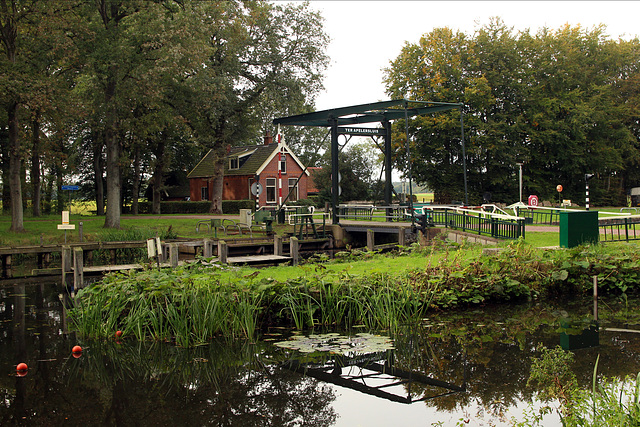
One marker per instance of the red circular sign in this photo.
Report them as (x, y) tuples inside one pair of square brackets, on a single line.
[(559, 188), (533, 200)]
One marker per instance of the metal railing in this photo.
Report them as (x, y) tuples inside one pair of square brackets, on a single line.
[(619, 229), (548, 216), (482, 223)]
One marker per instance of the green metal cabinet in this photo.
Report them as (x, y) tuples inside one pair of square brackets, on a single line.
[(578, 227)]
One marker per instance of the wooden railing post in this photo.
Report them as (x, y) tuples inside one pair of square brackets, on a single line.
[(66, 259), (174, 251), (277, 245), (294, 250), (370, 240), (78, 268), (223, 251), (207, 248)]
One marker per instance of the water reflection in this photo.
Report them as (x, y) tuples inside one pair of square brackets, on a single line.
[(485, 352)]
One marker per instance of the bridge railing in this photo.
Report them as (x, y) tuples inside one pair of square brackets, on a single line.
[(482, 223), (497, 225), (619, 229), (548, 216)]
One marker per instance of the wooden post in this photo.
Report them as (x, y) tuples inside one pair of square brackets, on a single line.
[(80, 231), (370, 240), (6, 266), (66, 263), (595, 298), (223, 251), (78, 268), (173, 254), (294, 250), (277, 245), (207, 248), (401, 237)]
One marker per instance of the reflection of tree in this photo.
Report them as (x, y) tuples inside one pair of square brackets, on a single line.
[(497, 347), (237, 383), (225, 383)]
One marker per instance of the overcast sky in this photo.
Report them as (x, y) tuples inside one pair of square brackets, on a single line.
[(366, 35)]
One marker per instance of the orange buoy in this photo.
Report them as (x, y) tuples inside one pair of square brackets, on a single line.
[(118, 334), (22, 367), (76, 349)]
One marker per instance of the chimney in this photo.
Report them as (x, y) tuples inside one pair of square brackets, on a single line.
[(268, 139)]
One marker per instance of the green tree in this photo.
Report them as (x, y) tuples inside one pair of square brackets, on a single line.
[(551, 100), (258, 56), (357, 167)]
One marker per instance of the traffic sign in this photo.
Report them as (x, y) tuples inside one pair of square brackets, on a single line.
[(256, 188), (533, 200), (70, 187)]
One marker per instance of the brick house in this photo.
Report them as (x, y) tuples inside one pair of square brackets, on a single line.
[(242, 166)]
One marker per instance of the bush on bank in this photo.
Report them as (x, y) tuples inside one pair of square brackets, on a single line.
[(193, 304)]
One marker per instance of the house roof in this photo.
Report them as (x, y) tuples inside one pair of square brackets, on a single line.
[(257, 157)]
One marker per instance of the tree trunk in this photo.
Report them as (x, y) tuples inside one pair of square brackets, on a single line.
[(6, 188), (17, 214), (157, 176), (217, 182), (98, 170), (35, 166), (112, 217), (136, 181), (60, 206)]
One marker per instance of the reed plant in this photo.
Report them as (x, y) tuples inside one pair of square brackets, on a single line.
[(192, 304), (609, 402)]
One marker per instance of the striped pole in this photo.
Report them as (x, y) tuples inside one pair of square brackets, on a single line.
[(587, 196), (587, 177), (280, 179)]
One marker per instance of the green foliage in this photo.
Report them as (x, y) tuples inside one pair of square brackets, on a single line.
[(552, 376), (610, 402), (556, 92), (357, 167)]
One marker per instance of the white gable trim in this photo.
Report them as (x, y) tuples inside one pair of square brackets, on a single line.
[(281, 147)]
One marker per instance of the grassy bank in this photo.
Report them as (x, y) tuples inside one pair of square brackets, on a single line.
[(193, 304)]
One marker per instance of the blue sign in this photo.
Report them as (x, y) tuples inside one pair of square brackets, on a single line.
[(70, 187)]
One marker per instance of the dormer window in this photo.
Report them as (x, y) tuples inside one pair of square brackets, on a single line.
[(234, 163), (237, 160)]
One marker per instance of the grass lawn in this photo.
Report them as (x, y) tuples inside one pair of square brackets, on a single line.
[(362, 267)]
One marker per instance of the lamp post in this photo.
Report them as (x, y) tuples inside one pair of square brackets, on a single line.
[(520, 180)]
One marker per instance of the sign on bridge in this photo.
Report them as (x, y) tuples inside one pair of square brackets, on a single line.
[(361, 131)]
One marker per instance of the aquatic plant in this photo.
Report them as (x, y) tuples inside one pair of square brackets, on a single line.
[(193, 303), (609, 402)]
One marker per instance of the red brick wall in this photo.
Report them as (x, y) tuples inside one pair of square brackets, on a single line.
[(238, 187), (195, 184), (293, 171)]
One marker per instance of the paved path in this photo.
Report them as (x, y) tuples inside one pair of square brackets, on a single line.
[(542, 228)]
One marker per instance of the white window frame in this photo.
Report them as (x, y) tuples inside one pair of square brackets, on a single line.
[(271, 183), (296, 192), (234, 161), (204, 193)]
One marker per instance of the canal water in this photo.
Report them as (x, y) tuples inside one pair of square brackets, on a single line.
[(463, 367)]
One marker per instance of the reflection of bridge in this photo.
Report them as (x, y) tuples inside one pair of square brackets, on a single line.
[(375, 375)]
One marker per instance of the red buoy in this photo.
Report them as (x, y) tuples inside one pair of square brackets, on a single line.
[(76, 349), (22, 367)]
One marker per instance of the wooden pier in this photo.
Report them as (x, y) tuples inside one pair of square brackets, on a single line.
[(76, 260)]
